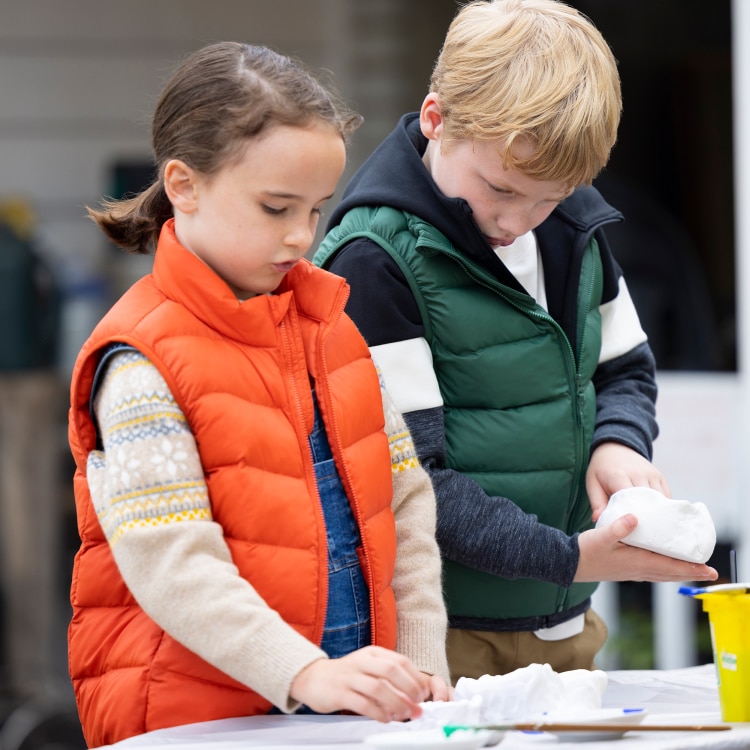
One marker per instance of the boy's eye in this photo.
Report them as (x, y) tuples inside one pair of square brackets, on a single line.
[(500, 191)]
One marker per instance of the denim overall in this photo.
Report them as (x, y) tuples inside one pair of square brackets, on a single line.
[(347, 625)]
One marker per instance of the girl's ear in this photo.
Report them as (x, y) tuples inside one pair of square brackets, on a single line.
[(431, 118), (180, 185)]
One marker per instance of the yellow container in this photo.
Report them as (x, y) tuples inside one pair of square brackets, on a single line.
[(729, 621)]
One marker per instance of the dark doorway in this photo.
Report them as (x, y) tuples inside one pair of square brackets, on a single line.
[(671, 173)]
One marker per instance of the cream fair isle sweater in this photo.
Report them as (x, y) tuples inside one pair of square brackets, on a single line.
[(151, 499)]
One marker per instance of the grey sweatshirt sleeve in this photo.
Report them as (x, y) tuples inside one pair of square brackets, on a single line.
[(626, 401), (484, 532), (475, 529)]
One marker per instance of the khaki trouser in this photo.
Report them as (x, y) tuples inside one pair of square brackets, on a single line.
[(30, 504), (472, 653)]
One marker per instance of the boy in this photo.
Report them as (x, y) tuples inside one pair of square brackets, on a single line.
[(484, 285)]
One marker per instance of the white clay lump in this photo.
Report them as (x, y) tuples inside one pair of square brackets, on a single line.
[(676, 528)]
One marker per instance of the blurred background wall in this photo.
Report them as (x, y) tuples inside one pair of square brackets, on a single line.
[(78, 80)]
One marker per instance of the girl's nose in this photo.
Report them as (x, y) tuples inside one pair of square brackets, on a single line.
[(301, 235)]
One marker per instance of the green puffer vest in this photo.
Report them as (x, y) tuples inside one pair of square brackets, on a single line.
[(519, 404)]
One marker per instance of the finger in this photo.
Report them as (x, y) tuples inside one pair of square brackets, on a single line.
[(665, 488), (623, 526), (706, 573), (408, 708), (596, 511), (385, 678), (662, 568), (598, 501), (439, 691), (382, 701), (365, 705), (369, 696), (399, 672)]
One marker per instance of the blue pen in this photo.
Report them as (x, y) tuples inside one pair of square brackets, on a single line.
[(738, 588)]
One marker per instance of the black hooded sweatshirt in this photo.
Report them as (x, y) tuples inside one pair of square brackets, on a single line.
[(491, 534)]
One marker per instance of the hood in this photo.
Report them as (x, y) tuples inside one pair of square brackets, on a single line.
[(394, 175)]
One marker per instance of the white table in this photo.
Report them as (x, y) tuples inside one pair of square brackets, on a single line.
[(683, 696)]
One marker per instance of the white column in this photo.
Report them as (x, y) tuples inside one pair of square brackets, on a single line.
[(606, 603), (674, 627), (741, 112)]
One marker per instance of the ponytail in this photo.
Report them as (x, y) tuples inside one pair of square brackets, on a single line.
[(134, 224)]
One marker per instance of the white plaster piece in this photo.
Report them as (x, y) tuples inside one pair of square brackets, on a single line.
[(676, 528)]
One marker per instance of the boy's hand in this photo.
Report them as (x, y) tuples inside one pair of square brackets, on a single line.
[(373, 682), (616, 467), (603, 557)]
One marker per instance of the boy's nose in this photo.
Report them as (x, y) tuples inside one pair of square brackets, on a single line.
[(523, 219), (515, 225)]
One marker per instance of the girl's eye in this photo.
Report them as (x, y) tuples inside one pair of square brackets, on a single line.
[(273, 211)]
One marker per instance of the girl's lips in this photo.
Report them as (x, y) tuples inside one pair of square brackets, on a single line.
[(285, 267)]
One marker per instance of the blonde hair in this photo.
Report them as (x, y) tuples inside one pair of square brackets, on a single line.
[(216, 100), (536, 71)]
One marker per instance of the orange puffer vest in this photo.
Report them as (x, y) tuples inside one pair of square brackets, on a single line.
[(239, 371)]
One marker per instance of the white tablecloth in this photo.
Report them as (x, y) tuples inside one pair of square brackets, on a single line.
[(684, 696)]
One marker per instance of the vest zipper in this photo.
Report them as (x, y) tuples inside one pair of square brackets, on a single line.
[(581, 450), (286, 336), (345, 475), (574, 377)]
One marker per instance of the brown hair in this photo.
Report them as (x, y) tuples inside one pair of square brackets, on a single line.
[(535, 70), (217, 99)]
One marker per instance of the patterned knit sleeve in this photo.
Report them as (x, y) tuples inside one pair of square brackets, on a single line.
[(149, 492), (151, 465), (417, 583)]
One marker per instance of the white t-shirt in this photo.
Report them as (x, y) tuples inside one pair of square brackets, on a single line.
[(522, 259), (621, 328)]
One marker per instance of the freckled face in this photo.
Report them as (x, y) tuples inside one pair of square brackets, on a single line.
[(506, 203), (254, 219)]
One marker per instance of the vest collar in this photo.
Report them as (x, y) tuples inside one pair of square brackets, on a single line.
[(187, 280)]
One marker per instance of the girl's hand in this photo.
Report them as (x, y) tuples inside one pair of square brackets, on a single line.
[(373, 682), (437, 688)]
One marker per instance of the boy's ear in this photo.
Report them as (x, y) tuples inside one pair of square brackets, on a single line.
[(180, 185), (431, 118)]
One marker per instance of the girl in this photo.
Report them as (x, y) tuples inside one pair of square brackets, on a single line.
[(256, 532)]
